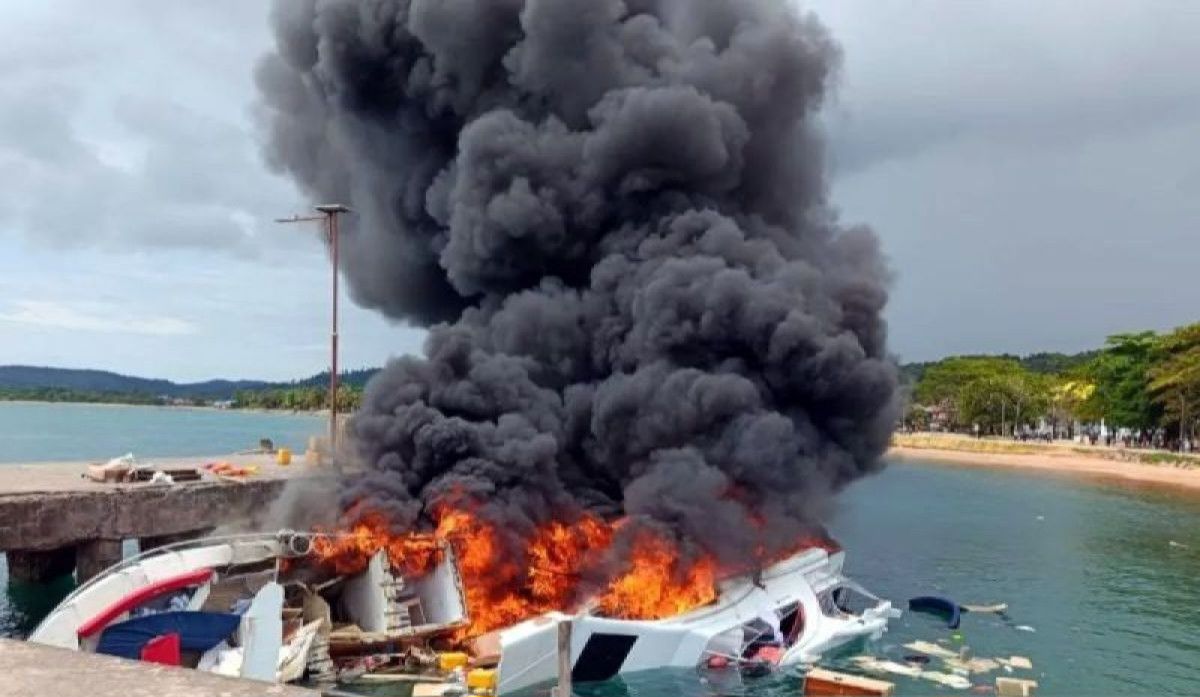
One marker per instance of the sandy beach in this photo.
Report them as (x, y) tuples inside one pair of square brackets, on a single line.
[(1157, 468)]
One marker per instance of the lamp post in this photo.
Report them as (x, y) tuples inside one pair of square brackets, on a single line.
[(329, 213)]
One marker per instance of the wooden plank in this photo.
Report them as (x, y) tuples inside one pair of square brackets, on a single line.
[(819, 681), (1015, 687), (426, 689)]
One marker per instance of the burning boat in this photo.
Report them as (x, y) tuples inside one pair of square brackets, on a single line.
[(273, 607)]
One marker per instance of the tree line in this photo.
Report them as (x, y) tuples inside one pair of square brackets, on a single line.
[(1145, 385), (298, 398), (65, 394)]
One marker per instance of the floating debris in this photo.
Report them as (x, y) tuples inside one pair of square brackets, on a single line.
[(931, 649), (956, 682), (972, 665), (819, 681), (997, 609), (875, 665), (936, 605), (1015, 687)]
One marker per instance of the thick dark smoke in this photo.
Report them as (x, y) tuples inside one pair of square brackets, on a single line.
[(614, 215)]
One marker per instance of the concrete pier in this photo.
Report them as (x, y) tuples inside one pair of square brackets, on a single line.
[(32, 669), (53, 520)]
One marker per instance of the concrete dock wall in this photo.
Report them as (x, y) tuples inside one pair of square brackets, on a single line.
[(52, 521), (30, 670)]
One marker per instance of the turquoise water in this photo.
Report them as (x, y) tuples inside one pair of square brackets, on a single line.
[(1089, 566), (47, 432), (1105, 574)]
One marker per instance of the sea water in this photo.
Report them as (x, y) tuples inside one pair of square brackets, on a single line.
[(1103, 574), (35, 432)]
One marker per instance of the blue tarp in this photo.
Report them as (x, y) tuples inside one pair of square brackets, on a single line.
[(198, 631)]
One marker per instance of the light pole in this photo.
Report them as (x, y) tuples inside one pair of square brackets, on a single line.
[(329, 213)]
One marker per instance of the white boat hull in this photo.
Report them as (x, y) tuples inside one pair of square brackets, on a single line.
[(602, 648)]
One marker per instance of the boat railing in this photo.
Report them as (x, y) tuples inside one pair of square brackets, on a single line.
[(129, 562)]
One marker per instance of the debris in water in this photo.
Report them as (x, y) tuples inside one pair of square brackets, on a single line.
[(956, 682), (1178, 545), (819, 681), (1015, 687), (937, 605), (972, 665), (996, 609), (875, 665), (1024, 628), (931, 649)]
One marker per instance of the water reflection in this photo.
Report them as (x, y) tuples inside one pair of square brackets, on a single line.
[(28, 603)]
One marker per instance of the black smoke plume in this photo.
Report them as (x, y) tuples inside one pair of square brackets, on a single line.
[(613, 214)]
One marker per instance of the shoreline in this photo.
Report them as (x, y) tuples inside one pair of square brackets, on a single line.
[(180, 407), (1111, 464)]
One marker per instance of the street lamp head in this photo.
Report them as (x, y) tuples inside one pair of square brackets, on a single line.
[(331, 208)]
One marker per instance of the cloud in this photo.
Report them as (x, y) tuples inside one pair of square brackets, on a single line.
[(1027, 165), (148, 144), (1025, 74), (92, 317)]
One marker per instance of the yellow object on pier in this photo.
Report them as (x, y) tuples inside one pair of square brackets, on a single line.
[(284, 456), (452, 660), (481, 679)]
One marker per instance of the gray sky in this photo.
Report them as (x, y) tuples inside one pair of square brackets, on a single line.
[(1032, 168)]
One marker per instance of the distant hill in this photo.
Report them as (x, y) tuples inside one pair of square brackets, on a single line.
[(23, 377)]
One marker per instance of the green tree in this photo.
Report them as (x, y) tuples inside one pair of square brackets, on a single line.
[(1003, 401), (946, 379), (964, 386), (1067, 397), (916, 418), (1121, 375), (1174, 379)]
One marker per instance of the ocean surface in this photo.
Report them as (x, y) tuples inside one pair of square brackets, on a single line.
[(1104, 575), (33, 432)]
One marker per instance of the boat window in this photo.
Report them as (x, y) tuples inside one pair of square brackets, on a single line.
[(791, 622), (757, 634), (849, 600)]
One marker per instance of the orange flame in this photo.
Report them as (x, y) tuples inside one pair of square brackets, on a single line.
[(657, 585), (505, 586)]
